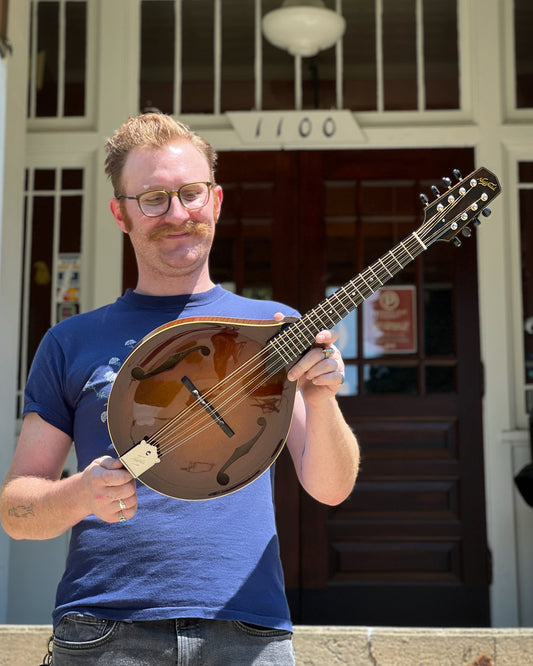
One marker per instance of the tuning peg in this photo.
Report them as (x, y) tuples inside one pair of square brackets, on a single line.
[(477, 221), (457, 242), (467, 232), (457, 174), (486, 212), (435, 190), (447, 182), (424, 199)]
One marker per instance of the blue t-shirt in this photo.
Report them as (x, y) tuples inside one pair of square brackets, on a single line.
[(215, 558)]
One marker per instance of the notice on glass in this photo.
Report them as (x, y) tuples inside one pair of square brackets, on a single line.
[(389, 321)]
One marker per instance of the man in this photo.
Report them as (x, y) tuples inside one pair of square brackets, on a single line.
[(151, 579)]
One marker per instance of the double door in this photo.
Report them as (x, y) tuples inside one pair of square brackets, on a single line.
[(409, 546)]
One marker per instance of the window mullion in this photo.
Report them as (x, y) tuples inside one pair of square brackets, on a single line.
[(61, 60), (33, 60), (258, 58), (178, 42), (339, 55), (379, 56), (26, 282), (55, 246), (217, 57), (420, 69)]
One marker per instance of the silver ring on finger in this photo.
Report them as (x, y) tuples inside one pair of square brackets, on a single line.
[(121, 505), (328, 351), (121, 517)]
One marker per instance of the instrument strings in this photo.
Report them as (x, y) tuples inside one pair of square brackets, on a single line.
[(240, 384)]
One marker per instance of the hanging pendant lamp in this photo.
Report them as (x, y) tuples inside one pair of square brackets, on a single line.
[(303, 27)]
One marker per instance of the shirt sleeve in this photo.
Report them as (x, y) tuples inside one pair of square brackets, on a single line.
[(45, 389)]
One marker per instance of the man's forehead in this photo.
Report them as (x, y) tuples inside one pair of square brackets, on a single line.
[(177, 156)]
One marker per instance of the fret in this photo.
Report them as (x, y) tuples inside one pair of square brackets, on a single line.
[(337, 296), (371, 270), (370, 290), (400, 265), (410, 255), (354, 285), (382, 262), (415, 235), (349, 294)]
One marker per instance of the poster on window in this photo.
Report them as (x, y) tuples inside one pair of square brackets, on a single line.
[(389, 321), (68, 285)]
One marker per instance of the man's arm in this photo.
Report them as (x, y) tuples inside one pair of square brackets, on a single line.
[(324, 449), (35, 503)]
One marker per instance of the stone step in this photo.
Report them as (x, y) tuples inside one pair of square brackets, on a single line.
[(25, 645)]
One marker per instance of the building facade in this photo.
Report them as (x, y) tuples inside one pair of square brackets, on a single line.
[(322, 159)]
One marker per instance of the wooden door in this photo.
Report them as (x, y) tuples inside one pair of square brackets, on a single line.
[(409, 546)]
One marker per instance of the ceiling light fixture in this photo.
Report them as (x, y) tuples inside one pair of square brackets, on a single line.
[(303, 27)]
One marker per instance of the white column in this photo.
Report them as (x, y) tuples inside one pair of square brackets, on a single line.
[(486, 41), (117, 98), (13, 82)]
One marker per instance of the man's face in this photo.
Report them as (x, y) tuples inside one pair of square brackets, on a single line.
[(175, 244)]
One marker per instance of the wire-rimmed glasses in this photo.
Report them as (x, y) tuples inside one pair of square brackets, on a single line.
[(157, 202)]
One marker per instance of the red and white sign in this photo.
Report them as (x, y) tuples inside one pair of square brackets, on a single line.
[(389, 321)]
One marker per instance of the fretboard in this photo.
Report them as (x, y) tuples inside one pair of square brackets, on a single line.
[(296, 338)]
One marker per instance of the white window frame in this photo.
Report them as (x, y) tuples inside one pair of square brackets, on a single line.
[(85, 162), (67, 122)]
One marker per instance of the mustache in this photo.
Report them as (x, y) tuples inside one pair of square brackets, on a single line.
[(190, 227)]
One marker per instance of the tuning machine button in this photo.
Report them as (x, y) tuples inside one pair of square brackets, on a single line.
[(467, 232), (424, 199), (457, 242), (457, 174), (447, 182), (486, 212), (435, 190)]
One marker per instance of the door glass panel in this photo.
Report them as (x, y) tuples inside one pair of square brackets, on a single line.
[(75, 58), (58, 59), (359, 47), (439, 335), (381, 379), (47, 58), (340, 199), (237, 62), (399, 55), (52, 255), (401, 339), (441, 55), (197, 56), (158, 42), (523, 25), (241, 257)]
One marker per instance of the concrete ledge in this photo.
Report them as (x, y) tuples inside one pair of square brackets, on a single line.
[(22, 645), (388, 646)]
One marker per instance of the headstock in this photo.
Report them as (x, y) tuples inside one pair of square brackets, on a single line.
[(459, 205)]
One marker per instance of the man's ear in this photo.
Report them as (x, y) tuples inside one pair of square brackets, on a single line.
[(116, 210), (217, 196)]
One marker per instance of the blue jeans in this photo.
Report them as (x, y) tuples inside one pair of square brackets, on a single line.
[(83, 639)]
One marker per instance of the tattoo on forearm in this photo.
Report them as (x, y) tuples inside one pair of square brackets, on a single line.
[(21, 511)]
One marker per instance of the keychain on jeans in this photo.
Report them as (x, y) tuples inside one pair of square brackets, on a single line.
[(47, 659)]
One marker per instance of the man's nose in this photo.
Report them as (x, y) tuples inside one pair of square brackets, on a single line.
[(177, 209)]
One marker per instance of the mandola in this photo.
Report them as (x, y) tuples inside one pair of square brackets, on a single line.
[(202, 406)]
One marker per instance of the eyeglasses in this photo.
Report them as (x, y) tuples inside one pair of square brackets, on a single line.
[(157, 202)]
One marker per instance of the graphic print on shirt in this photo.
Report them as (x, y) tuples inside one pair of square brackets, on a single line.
[(103, 377)]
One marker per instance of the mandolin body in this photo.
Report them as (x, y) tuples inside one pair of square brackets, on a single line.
[(204, 393)]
